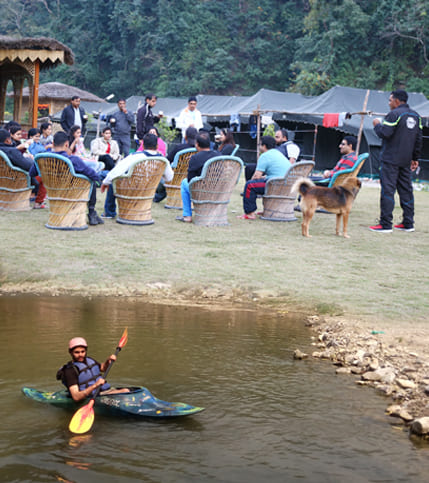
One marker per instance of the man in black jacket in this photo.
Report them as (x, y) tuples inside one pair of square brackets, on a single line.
[(145, 117), (401, 132), (73, 114)]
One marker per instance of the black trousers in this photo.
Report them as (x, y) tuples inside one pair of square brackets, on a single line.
[(396, 178)]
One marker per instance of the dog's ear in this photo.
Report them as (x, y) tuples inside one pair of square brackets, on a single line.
[(359, 183)]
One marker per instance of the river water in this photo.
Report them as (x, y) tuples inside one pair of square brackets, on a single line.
[(267, 417)]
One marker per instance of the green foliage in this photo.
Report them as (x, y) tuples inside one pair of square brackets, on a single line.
[(166, 133), (175, 48)]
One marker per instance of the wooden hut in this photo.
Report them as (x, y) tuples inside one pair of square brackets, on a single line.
[(54, 96), (22, 59)]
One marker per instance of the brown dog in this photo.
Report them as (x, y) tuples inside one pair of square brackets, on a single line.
[(338, 199)]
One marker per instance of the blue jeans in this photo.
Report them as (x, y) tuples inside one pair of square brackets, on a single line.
[(186, 198), (110, 203)]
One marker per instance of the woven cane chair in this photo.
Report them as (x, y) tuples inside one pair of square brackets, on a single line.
[(234, 151), (180, 167), (135, 190), (15, 186), (278, 200), (211, 192), (340, 176), (68, 192)]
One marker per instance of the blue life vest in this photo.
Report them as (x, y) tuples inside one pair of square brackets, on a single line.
[(88, 373)]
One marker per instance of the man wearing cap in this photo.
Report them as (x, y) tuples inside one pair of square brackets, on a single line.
[(190, 116), (82, 375)]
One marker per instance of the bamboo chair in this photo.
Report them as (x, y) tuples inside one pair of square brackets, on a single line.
[(15, 186), (277, 199), (340, 176), (180, 167), (211, 192), (68, 192), (237, 147), (135, 190)]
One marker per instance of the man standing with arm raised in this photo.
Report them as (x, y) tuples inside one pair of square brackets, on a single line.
[(401, 132)]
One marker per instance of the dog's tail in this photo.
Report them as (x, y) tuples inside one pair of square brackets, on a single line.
[(302, 185)]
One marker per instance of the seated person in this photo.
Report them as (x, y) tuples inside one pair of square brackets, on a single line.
[(61, 146), (348, 158), (82, 375), (271, 164), (17, 141), (35, 147), (150, 142), (105, 149), (161, 146), (46, 137), (226, 139), (190, 137), (286, 147), (20, 161), (196, 164)]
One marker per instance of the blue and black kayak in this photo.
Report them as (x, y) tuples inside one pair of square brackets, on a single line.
[(138, 402)]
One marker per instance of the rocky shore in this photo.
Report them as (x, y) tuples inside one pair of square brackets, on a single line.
[(381, 359)]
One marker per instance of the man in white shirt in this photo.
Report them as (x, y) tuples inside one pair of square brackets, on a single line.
[(286, 147), (189, 117), (150, 142)]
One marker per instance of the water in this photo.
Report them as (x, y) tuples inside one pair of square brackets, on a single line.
[(267, 418)]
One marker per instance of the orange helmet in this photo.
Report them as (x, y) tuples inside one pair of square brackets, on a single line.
[(77, 342)]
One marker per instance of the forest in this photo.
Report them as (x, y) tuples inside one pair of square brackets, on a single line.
[(230, 47)]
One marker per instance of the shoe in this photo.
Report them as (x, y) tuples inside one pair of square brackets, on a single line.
[(159, 197), (93, 218), (182, 218), (100, 221), (107, 217), (246, 217), (402, 227), (380, 229), (39, 206)]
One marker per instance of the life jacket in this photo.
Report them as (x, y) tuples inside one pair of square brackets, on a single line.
[(88, 373)]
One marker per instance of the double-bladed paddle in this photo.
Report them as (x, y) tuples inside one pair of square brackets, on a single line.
[(83, 418)]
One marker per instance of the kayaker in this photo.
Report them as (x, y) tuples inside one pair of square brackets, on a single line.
[(83, 375)]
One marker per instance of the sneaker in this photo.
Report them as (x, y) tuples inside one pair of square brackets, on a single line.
[(107, 217), (402, 227), (380, 229)]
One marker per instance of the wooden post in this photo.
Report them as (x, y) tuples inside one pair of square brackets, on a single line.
[(314, 143), (35, 93), (362, 117), (258, 131)]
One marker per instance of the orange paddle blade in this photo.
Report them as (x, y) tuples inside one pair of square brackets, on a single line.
[(83, 419), (124, 339)]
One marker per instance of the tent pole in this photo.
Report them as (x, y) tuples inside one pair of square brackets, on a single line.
[(258, 131), (365, 102), (314, 143), (35, 94)]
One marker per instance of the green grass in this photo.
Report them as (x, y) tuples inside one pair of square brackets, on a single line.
[(370, 274)]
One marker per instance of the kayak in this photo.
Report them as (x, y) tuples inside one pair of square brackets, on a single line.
[(138, 402)]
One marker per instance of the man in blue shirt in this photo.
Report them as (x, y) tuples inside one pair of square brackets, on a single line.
[(271, 164)]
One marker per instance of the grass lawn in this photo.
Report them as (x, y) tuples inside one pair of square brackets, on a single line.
[(370, 274)]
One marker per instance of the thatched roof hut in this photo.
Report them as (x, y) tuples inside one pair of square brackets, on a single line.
[(22, 59), (55, 96)]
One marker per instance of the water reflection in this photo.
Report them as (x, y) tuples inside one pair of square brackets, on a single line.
[(267, 416)]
